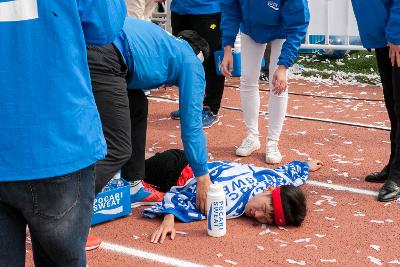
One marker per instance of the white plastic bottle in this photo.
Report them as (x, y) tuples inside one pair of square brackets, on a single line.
[(116, 180), (216, 207)]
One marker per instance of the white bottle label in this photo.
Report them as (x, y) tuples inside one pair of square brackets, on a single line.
[(216, 218)]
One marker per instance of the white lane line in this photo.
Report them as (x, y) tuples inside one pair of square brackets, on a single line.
[(148, 255), (343, 188)]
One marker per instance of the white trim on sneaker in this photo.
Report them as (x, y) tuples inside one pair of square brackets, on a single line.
[(249, 144), (273, 155)]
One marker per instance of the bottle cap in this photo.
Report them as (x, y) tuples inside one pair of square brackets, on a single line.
[(215, 187)]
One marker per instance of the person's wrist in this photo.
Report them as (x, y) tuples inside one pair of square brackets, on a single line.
[(169, 217), (282, 67), (228, 48), (203, 177)]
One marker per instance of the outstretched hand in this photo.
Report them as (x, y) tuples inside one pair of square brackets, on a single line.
[(166, 227), (314, 165)]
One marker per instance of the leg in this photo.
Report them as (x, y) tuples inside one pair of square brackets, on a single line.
[(390, 77), (134, 169), (179, 23), (265, 70), (136, 8), (251, 55), (385, 72), (60, 219), (108, 74), (208, 27), (277, 104), (12, 233), (395, 164), (163, 169)]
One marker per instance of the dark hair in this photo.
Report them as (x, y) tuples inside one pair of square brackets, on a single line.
[(197, 42), (294, 205)]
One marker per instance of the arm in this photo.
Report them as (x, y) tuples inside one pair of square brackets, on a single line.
[(191, 92), (101, 19), (393, 33), (230, 21), (296, 17), (296, 171), (167, 227)]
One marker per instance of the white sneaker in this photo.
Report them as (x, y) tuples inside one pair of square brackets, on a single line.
[(250, 144), (273, 156)]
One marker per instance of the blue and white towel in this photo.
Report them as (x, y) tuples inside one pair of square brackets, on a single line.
[(240, 182)]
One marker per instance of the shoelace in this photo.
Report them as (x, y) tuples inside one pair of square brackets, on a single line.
[(247, 143), (272, 148)]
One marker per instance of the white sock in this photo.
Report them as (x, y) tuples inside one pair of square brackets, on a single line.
[(136, 186)]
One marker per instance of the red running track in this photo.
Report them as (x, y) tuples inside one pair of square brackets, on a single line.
[(342, 228)]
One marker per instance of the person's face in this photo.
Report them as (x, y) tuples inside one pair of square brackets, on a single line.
[(260, 207)]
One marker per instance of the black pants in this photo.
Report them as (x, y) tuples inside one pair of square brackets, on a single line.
[(208, 26), (123, 115), (163, 169), (390, 77)]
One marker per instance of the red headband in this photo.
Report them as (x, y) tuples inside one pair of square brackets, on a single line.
[(278, 209)]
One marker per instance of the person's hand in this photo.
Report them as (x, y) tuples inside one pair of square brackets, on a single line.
[(166, 227), (279, 80), (314, 165), (394, 54), (227, 62), (203, 184)]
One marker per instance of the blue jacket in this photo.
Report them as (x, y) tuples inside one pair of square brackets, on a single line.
[(378, 22), (49, 124), (195, 7), (154, 57), (265, 21)]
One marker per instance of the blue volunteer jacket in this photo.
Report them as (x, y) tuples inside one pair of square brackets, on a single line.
[(195, 7), (241, 182), (267, 20), (154, 57), (378, 22), (49, 124)]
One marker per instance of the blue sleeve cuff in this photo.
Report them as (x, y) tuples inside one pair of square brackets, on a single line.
[(199, 169), (228, 40)]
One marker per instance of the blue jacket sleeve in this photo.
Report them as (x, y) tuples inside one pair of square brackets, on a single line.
[(296, 17), (191, 94), (393, 25), (101, 19), (230, 21)]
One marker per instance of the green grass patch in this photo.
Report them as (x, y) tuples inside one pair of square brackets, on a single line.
[(359, 65)]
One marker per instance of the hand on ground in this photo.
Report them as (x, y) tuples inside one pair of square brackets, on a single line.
[(314, 165), (166, 227)]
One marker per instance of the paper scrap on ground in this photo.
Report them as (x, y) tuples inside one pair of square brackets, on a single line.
[(296, 262), (376, 247), (231, 262), (331, 260), (303, 240), (375, 260), (181, 233)]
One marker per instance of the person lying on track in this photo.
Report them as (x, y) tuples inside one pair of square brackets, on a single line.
[(269, 196)]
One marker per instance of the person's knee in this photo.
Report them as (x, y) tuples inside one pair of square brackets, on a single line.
[(121, 155)]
